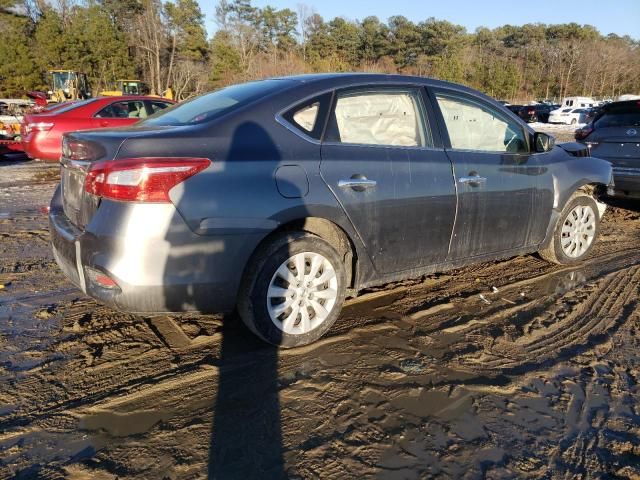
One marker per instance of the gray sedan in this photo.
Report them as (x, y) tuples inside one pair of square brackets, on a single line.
[(282, 197)]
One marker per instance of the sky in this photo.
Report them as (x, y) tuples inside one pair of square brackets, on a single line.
[(609, 16)]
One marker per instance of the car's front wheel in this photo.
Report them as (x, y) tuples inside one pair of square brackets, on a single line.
[(293, 290), (575, 232)]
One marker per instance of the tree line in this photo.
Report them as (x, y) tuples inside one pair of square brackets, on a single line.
[(166, 44)]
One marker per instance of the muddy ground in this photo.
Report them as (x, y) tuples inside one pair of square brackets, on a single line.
[(501, 370)]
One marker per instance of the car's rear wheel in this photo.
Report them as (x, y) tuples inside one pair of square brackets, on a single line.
[(575, 233), (293, 290)]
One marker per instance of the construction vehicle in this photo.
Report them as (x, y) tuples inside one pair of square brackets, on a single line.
[(127, 87), (68, 85), (133, 87)]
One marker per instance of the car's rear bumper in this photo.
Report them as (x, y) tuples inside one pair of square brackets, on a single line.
[(42, 146), (158, 263)]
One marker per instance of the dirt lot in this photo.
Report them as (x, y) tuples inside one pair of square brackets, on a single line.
[(501, 370)]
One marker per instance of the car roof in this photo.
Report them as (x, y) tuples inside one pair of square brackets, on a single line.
[(620, 105), (346, 79), (132, 97), (360, 77)]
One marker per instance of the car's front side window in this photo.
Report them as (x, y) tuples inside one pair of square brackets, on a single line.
[(391, 117), (476, 126)]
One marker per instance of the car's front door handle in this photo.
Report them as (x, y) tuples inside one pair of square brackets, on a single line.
[(359, 184), (473, 180)]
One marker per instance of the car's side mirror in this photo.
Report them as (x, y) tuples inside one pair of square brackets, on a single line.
[(543, 142)]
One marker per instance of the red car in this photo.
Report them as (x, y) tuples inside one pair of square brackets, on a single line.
[(42, 132)]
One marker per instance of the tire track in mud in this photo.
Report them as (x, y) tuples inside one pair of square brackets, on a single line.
[(126, 372), (598, 308)]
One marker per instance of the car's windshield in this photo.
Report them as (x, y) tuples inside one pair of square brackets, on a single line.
[(61, 80), (620, 116), (214, 104)]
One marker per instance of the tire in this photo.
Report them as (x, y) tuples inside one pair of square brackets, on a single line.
[(258, 307), (579, 220)]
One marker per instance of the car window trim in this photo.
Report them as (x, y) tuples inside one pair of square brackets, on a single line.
[(432, 91), (423, 112), (324, 98)]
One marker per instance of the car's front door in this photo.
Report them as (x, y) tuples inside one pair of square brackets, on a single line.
[(386, 167), (496, 176)]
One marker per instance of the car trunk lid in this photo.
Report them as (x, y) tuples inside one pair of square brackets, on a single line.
[(78, 205)]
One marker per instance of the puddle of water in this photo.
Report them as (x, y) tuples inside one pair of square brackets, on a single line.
[(124, 424), (564, 282), (429, 403)]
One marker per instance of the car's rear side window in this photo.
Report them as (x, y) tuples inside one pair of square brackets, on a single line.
[(390, 116), (309, 116), (620, 116), (306, 117)]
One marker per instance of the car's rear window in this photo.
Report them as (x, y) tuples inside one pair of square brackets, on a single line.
[(72, 106), (627, 115), (214, 104)]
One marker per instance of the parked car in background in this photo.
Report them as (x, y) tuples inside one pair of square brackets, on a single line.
[(614, 135), (536, 113), (281, 196), (514, 108), (592, 113), (42, 132), (12, 113), (568, 116)]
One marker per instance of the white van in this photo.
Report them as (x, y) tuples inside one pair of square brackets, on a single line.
[(578, 102), (569, 104)]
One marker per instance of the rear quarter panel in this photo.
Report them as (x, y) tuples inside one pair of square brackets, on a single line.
[(237, 195)]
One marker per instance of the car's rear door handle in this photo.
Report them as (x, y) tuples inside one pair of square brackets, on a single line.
[(356, 183), (473, 180)]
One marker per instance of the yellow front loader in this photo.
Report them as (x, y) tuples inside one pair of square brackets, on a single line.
[(68, 85)]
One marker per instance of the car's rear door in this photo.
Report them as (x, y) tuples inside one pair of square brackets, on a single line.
[(120, 113), (497, 177), (387, 168)]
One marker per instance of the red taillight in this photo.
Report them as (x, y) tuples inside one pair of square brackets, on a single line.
[(583, 133), (141, 179)]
